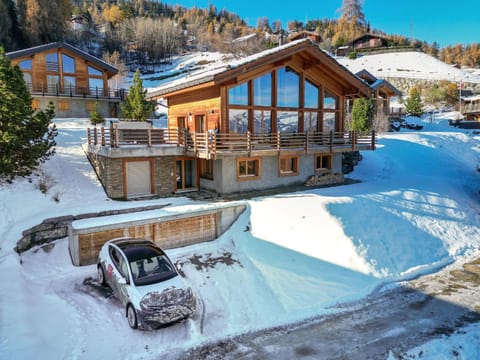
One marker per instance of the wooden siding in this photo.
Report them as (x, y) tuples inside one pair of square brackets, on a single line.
[(39, 69)]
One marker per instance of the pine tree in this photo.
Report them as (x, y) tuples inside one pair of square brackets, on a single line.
[(413, 104), (26, 137), (362, 115), (95, 116), (136, 106)]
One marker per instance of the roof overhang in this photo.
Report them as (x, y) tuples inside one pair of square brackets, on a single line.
[(109, 69)]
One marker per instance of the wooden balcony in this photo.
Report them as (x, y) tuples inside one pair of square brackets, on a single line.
[(211, 145)]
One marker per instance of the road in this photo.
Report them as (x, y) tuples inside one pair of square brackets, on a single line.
[(389, 321)]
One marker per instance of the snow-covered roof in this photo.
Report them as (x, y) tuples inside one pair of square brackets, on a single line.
[(210, 74)]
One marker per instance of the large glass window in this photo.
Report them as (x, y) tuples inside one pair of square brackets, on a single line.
[(96, 86), (262, 90), (28, 79), (68, 64), (287, 121), (329, 120), (311, 95), (52, 62), (238, 95), (310, 121), (238, 121), (26, 65), (329, 100), (262, 122), (287, 87), (69, 84), (53, 82), (93, 71)]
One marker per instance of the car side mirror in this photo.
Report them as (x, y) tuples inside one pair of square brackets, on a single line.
[(122, 281)]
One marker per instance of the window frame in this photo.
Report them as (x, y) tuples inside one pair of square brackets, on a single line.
[(325, 169), (292, 165), (247, 176)]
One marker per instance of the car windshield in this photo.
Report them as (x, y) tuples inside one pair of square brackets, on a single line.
[(149, 265), (152, 270)]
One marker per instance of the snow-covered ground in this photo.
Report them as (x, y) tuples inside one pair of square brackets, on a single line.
[(415, 65), (290, 256)]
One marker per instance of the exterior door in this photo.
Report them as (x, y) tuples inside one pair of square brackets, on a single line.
[(138, 178), (200, 124), (185, 174)]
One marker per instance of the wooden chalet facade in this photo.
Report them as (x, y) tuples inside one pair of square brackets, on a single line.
[(314, 36), (368, 42), (72, 79), (270, 120)]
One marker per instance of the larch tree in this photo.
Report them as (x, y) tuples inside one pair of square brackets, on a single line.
[(351, 11), (44, 21), (27, 137), (136, 106)]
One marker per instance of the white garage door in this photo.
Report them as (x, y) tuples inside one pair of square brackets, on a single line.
[(138, 178)]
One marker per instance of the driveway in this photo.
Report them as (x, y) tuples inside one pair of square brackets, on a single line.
[(392, 320)]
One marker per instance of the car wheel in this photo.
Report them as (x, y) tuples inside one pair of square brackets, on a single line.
[(132, 317), (101, 275)]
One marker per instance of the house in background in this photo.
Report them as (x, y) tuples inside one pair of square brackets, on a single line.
[(368, 42), (382, 92), (315, 37), (272, 119), (72, 79)]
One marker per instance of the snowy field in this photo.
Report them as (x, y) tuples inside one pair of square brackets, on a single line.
[(291, 256)]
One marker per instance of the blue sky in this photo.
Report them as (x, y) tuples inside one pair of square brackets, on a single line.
[(446, 22)]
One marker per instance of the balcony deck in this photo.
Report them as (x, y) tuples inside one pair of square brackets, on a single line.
[(211, 145)]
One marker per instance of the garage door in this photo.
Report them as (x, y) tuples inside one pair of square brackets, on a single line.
[(138, 178)]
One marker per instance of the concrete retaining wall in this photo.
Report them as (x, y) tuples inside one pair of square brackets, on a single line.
[(86, 237)]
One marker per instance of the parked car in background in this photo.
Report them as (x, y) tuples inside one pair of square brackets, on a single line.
[(146, 282)]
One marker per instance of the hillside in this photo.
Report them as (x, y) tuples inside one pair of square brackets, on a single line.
[(415, 65)]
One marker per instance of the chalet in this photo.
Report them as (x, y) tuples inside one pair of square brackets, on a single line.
[(315, 37), (382, 91), (72, 79), (272, 119), (367, 42)]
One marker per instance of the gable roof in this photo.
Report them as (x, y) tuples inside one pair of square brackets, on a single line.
[(227, 72), (377, 84), (111, 70), (368, 35)]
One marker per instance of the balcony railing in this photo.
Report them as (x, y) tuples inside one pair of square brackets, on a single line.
[(77, 91), (209, 145)]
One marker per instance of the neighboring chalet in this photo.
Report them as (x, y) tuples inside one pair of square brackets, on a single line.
[(367, 42), (470, 107), (272, 119), (315, 37), (382, 92), (72, 79)]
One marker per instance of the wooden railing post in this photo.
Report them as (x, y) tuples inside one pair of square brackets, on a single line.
[(373, 139), (89, 137), (331, 141), (307, 140), (116, 137), (112, 136), (95, 136), (149, 135), (278, 141), (102, 136), (352, 139), (249, 142)]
